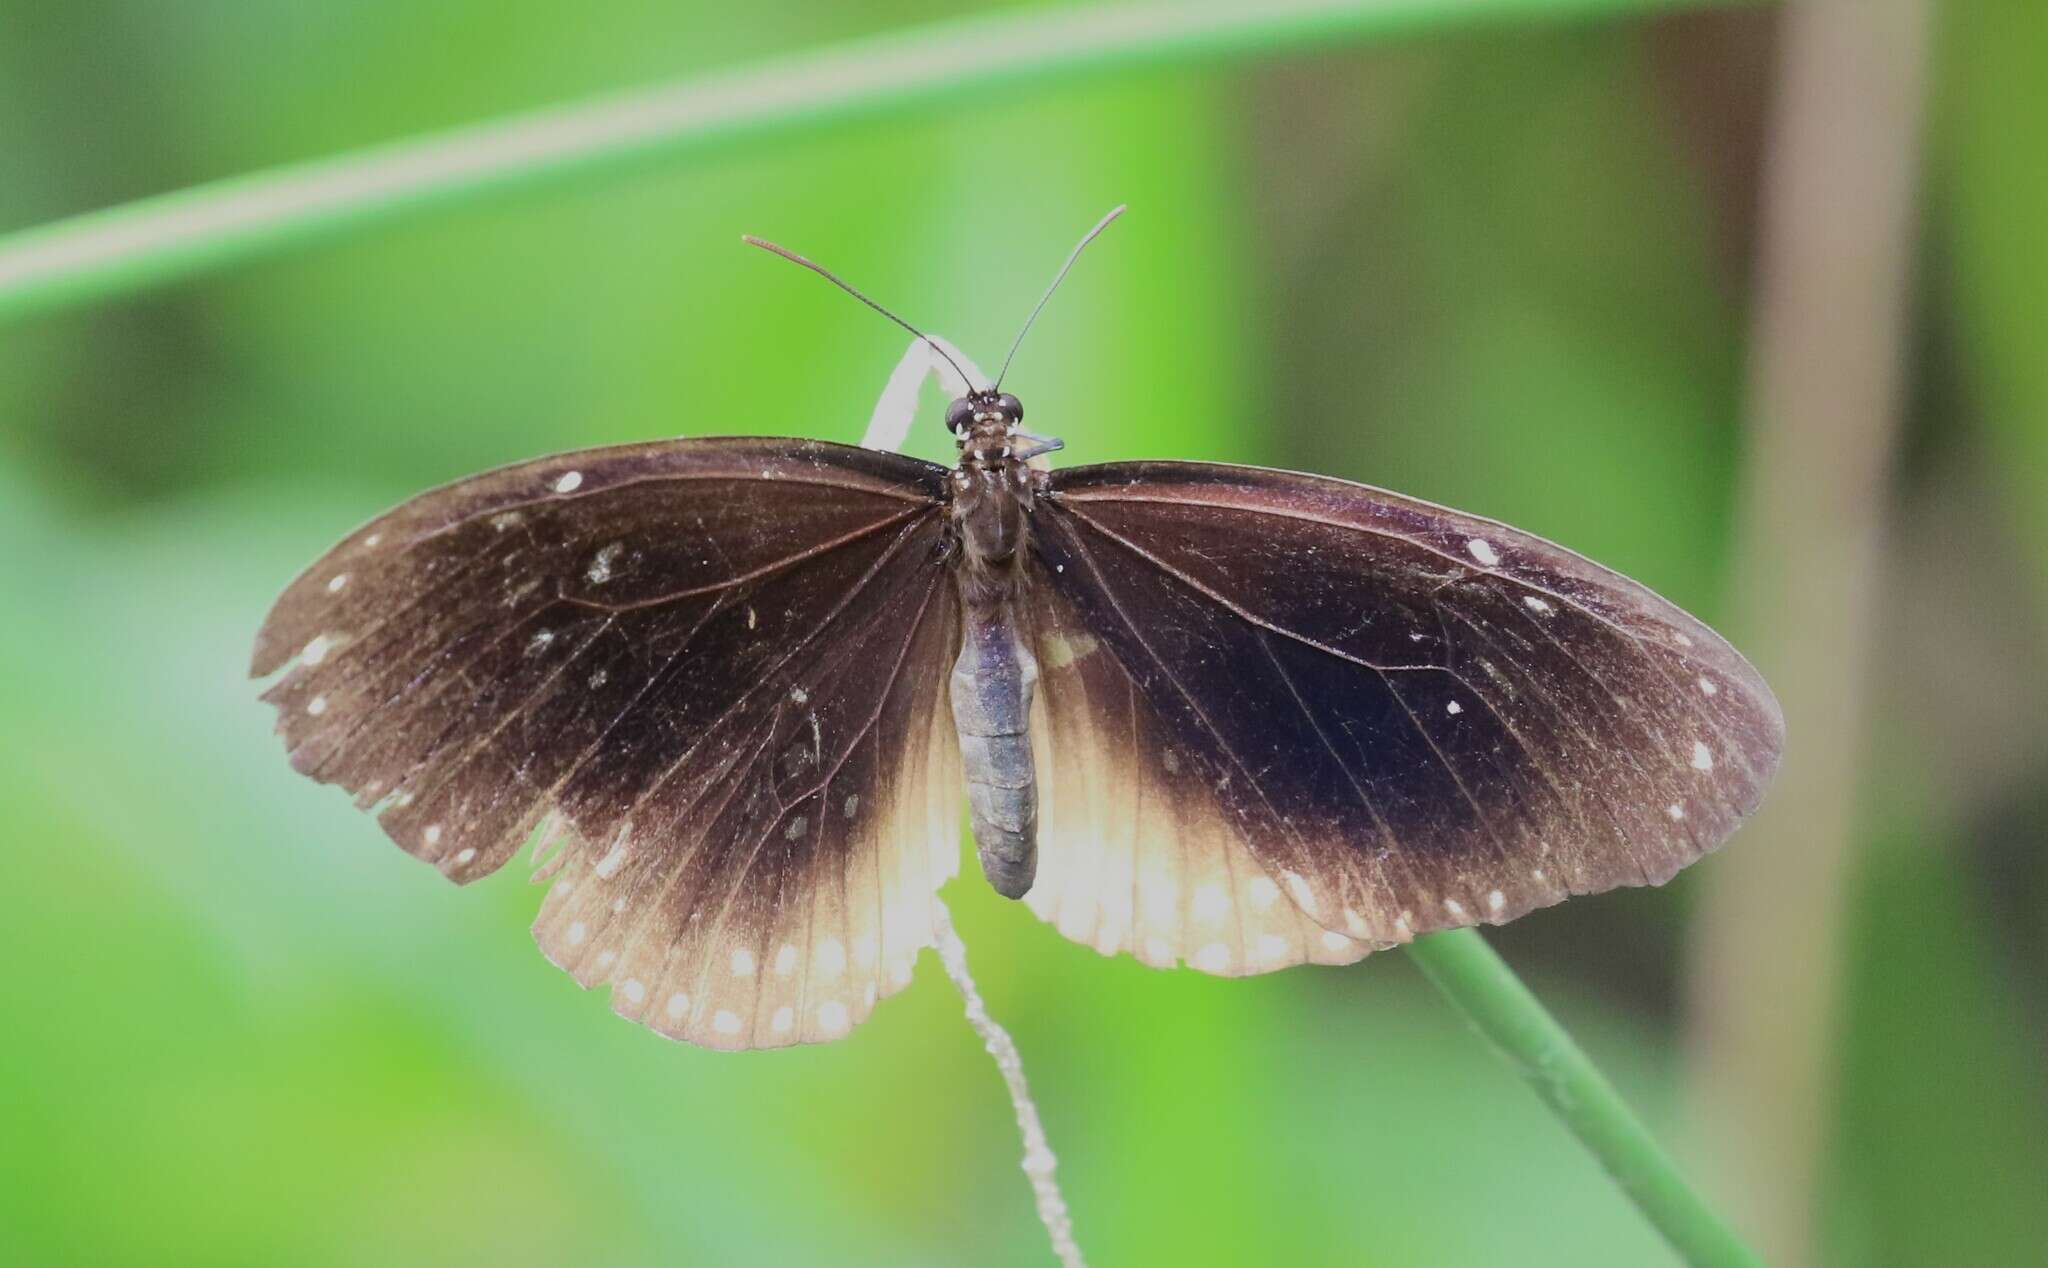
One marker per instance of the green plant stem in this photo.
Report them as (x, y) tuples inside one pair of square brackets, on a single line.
[(1475, 979), (947, 66)]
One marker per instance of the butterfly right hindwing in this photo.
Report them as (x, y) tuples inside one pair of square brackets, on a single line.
[(1312, 718)]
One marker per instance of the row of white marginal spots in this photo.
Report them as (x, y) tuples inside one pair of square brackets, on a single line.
[(829, 962), (1702, 756)]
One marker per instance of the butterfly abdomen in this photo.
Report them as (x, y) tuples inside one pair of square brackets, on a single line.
[(993, 682)]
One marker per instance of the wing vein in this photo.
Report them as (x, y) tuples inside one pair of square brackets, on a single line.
[(716, 587)]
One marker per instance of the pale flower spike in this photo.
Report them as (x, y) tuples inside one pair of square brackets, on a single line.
[(889, 425)]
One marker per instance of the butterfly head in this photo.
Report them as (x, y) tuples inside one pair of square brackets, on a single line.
[(982, 423)]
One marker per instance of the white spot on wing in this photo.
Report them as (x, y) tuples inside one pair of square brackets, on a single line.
[(1210, 902), (785, 1017), (1702, 756), (1334, 941), (1263, 891), (795, 830), (832, 1017), (433, 834), (316, 651), (373, 539), (678, 1004), (1709, 686), (1157, 951), (1213, 958), (634, 990), (785, 960), (1272, 947), (1454, 708), (726, 1022), (600, 570), (1483, 551), (467, 853), (1676, 811), (1456, 908), (539, 642), (600, 678), (317, 705), (504, 520), (742, 962), (614, 858), (1298, 889), (340, 580), (1535, 604), (577, 933), (569, 483), (1495, 900)]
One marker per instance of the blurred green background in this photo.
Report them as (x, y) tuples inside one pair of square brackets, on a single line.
[(1507, 265)]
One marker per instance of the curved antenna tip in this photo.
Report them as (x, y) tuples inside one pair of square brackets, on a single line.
[(854, 291), (1059, 277)]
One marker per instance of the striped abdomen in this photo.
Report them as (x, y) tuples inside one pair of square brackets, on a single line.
[(992, 685)]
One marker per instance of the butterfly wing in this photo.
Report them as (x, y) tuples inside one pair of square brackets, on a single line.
[(711, 671), (1289, 718)]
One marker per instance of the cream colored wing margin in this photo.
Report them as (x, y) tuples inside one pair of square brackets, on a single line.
[(1134, 854), (741, 927)]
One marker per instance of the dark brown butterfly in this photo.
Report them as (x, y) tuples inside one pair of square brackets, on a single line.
[(1215, 715)]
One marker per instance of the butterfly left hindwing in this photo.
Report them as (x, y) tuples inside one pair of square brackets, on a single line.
[(710, 670)]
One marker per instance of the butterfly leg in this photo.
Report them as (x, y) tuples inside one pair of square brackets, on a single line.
[(1035, 445)]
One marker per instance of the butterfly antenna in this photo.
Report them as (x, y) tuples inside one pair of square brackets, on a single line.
[(1073, 255), (849, 288)]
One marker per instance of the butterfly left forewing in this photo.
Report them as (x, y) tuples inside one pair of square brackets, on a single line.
[(1403, 717), (713, 670)]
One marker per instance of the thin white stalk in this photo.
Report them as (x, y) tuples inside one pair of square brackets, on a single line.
[(1039, 1162)]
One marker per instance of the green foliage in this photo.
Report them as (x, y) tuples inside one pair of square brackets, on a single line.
[(241, 1029)]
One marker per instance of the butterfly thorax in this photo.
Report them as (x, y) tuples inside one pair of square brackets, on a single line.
[(991, 505)]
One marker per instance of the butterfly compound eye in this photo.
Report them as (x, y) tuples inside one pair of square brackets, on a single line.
[(1010, 407), (959, 414)]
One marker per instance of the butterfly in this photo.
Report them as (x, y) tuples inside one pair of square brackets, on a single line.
[(1207, 715)]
